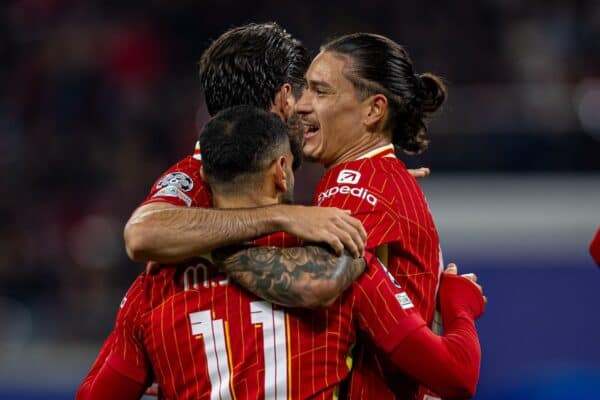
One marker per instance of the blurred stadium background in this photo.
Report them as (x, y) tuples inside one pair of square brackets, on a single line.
[(99, 97)]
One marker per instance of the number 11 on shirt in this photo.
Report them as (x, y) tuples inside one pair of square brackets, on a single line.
[(274, 347)]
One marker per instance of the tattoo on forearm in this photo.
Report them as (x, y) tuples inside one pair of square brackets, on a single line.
[(292, 277)]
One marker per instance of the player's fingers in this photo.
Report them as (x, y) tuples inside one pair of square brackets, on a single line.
[(351, 238), (351, 243), (356, 224), (152, 390), (472, 277), (335, 243), (485, 300), (419, 172), (451, 269)]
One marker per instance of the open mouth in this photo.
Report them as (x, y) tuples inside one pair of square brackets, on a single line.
[(310, 130)]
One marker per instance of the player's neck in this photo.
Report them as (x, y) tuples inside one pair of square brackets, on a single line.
[(366, 144), (243, 200)]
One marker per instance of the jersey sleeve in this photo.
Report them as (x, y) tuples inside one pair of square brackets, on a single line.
[(106, 383), (277, 239), (365, 194), (384, 311), (595, 247), (180, 185), (127, 355), (88, 381)]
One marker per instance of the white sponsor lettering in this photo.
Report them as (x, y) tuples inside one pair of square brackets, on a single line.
[(201, 272), (361, 193), (348, 176)]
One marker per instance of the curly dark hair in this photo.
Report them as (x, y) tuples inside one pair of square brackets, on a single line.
[(377, 64), (249, 64)]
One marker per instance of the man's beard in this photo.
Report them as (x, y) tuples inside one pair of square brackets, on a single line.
[(296, 135)]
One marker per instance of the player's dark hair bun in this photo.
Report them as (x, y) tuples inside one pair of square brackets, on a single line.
[(433, 92), (380, 65)]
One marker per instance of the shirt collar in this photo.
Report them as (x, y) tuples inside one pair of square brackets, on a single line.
[(382, 151), (197, 154)]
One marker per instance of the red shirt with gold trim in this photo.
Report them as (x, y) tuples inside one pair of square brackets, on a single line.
[(379, 191), (201, 337)]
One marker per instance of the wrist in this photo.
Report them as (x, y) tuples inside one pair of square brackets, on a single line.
[(449, 318), (278, 218), (458, 296)]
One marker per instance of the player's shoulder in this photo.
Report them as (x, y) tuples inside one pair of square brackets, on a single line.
[(155, 285), (195, 275), (181, 184), (368, 171), (135, 297), (375, 270), (184, 174), (377, 279), (365, 181)]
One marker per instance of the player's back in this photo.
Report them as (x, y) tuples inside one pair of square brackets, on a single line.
[(207, 338)]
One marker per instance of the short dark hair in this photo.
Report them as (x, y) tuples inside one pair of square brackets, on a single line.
[(239, 142), (377, 64), (249, 64)]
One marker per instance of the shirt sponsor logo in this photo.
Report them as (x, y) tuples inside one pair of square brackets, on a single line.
[(203, 272), (173, 191), (404, 301), (361, 193), (348, 176), (180, 180)]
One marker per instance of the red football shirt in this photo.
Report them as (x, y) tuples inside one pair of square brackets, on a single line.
[(317, 341), (379, 191), (201, 337), (182, 185), (595, 247)]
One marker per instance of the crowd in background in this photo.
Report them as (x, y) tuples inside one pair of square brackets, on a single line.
[(99, 97)]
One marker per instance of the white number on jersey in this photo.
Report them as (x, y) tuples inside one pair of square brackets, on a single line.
[(274, 347)]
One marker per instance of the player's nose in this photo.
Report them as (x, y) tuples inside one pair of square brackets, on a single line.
[(304, 104)]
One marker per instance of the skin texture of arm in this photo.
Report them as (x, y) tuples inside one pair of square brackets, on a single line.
[(307, 277), (166, 233)]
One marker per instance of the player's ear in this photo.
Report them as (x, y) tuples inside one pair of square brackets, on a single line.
[(284, 102), (375, 110), (280, 176)]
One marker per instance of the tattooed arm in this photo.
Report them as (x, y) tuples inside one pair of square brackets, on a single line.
[(308, 277)]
